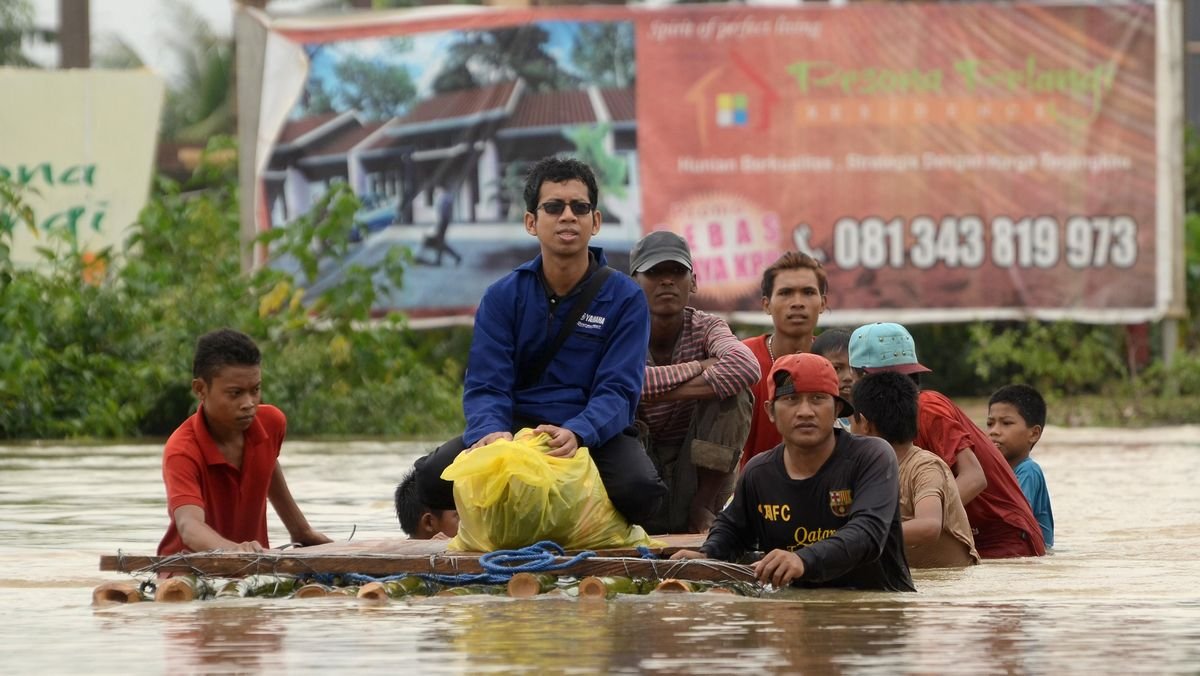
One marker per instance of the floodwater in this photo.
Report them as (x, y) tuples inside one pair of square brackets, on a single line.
[(1119, 595)]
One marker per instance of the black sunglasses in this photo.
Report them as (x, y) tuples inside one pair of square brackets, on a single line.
[(555, 207)]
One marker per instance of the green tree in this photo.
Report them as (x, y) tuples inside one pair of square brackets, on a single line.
[(316, 100), (1191, 191), (114, 52), (16, 22), (200, 104), (603, 52), (488, 57), (93, 348), (591, 147), (378, 90)]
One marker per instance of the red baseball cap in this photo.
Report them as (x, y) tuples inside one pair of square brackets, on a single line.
[(805, 372)]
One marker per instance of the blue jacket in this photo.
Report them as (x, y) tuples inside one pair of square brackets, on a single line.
[(593, 384)]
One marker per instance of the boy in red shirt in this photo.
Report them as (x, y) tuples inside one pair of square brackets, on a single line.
[(1001, 521), (221, 465)]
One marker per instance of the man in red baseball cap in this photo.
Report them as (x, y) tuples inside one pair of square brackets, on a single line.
[(824, 504)]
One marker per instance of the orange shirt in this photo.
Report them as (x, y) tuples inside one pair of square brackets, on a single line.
[(763, 434), (1000, 516), (234, 501), (923, 474)]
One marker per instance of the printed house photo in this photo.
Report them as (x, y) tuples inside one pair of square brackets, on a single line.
[(433, 132)]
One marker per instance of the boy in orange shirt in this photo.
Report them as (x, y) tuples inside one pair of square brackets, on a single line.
[(221, 465)]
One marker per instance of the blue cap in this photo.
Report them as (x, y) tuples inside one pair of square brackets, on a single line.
[(884, 347)]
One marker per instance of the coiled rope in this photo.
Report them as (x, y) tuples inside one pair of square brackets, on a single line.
[(499, 566)]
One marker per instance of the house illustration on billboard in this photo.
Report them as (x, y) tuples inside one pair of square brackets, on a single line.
[(474, 144)]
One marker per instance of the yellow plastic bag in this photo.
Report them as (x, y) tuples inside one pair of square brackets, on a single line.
[(510, 494)]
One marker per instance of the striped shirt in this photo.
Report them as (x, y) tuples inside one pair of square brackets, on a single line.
[(703, 336)]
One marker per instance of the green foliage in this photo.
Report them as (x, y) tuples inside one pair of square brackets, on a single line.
[(13, 207), (1191, 262), (480, 58), (1191, 170), (201, 103), (1058, 357), (379, 90), (316, 99), (511, 185), (590, 148), (604, 53), (99, 344), (1191, 237), (943, 348), (16, 23)]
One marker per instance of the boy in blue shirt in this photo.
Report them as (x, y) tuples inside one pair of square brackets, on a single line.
[(1016, 416)]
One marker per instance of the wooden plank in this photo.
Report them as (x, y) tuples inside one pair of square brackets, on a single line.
[(301, 563), (402, 546)]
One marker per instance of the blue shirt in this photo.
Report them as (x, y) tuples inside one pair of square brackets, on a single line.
[(1033, 485), (593, 384)]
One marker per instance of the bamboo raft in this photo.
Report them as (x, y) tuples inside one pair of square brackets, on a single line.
[(276, 573)]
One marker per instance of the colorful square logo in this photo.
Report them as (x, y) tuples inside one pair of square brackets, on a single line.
[(733, 110)]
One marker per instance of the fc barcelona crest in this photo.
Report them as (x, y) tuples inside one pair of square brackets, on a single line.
[(839, 502)]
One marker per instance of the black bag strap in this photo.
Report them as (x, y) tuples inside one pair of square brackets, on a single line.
[(584, 300)]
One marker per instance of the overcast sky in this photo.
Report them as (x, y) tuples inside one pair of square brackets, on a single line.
[(144, 24)]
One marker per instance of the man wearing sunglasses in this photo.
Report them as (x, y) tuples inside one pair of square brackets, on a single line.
[(582, 389)]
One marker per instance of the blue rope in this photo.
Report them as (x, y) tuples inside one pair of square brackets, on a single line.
[(499, 566), (645, 552), (536, 558), (464, 578)]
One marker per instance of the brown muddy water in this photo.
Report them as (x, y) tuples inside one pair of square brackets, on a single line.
[(1119, 594)]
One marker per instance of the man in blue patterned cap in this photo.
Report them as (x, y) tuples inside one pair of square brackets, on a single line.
[(1001, 520)]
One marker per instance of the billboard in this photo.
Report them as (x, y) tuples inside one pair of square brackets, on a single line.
[(943, 161), (80, 145)]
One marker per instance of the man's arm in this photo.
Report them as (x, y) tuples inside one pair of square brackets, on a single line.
[(491, 372), (617, 383), (862, 537), (968, 474), (728, 367), (182, 470), (289, 512), (678, 381), (198, 536), (927, 490), (730, 534), (926, 524), (941, 434)]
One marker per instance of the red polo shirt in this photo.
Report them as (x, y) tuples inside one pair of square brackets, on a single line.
[(1000, 516), (763, 434), (234, 501)]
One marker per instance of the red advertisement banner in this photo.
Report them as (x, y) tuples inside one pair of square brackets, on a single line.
[(933, 156)]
